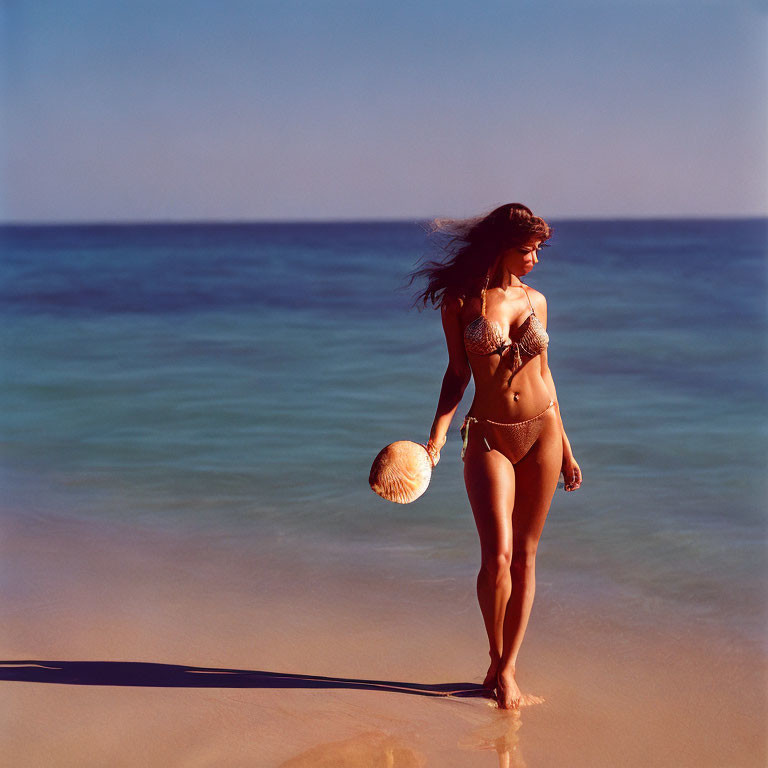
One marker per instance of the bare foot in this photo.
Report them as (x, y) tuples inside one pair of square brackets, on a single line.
[(508, 693), (490, 678)]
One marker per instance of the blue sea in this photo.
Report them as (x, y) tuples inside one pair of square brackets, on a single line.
[(239, 379)]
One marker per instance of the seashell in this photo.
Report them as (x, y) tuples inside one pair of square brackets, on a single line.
[(401, 472)]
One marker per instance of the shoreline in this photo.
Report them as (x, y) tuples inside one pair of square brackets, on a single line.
[(89, 592), (562, 592)]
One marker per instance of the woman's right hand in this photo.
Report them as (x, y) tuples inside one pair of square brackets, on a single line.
[(571, 473), (433, 449)]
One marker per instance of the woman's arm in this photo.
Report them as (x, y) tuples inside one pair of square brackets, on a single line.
[(546, 374), (570, 468), (455, 379)]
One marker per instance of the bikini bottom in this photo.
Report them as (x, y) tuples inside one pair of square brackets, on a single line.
[(513, 438)]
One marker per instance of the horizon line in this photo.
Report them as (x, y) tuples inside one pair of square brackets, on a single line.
[(362, 220)]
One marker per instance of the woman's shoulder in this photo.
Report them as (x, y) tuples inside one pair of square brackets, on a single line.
[(452, 303), (538, 299), (464, 307)]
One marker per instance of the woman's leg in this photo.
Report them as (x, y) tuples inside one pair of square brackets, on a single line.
[(490, 481), (536, 480)]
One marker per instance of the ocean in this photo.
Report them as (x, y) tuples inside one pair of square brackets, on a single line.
[(238, 380)]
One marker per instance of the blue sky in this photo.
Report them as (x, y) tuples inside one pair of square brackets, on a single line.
[(287, 110)]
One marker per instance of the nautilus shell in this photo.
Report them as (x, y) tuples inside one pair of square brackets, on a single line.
[(401, 472)]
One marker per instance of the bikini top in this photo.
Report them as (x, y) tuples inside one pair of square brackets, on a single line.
[(485, 337)]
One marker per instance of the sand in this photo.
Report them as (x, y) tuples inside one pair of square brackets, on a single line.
[(124, 646)]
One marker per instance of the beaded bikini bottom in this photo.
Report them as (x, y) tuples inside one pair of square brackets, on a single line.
[(512, 438)]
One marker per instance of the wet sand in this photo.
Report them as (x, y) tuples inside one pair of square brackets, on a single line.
[(126, 647)]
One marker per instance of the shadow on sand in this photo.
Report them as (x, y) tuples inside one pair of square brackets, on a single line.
[(178, 676)]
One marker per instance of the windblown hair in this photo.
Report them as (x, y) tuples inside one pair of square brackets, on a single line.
[(472, 247)]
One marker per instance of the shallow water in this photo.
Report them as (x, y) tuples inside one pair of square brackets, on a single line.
[(239, 380)]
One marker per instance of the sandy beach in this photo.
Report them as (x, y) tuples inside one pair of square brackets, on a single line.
[(124, 647), (231, 236)]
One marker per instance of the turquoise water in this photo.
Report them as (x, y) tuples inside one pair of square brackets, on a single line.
[(240, 380)]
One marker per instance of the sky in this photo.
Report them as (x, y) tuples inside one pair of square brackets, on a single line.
[(119, 110)]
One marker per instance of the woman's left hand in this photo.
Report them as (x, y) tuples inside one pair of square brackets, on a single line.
[(571, 473), (433, 449)]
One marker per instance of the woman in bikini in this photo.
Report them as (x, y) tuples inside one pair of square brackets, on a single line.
[(514, 443)]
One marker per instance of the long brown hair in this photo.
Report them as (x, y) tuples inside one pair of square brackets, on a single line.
[(472, 247)]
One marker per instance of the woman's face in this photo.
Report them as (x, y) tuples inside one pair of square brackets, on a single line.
[(521, 259)]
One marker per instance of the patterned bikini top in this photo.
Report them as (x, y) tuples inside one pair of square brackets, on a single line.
[(485, 337)]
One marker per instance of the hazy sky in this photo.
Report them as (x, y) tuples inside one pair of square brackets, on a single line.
[(134, 110)]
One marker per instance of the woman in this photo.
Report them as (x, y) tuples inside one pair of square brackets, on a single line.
[(514, 442)]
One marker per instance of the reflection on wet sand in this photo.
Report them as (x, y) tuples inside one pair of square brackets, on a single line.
[(501, 734), (375, 749), (494, 729)]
